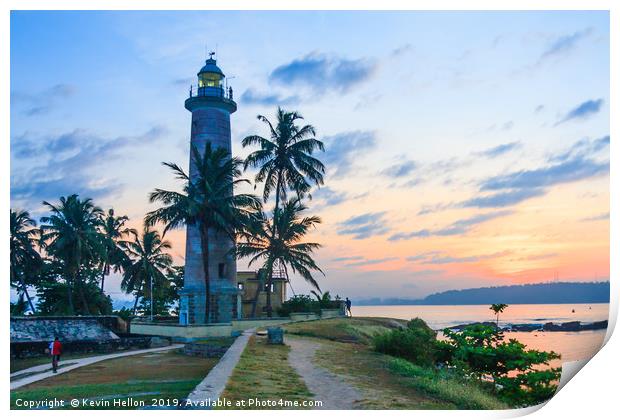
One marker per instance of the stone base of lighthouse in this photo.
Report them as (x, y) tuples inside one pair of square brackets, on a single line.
[(224, 303)]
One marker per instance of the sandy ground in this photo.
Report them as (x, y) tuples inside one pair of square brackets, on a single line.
[(333, 391)]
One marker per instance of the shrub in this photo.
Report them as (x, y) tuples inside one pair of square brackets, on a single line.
[(481, 351), (299, 303), (416, 343)]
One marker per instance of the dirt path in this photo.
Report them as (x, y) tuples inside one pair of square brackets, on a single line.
[(332, 390)]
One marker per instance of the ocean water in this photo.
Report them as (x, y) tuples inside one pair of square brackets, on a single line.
[(570, 345)]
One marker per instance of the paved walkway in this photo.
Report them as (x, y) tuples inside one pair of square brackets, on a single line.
[(40, 372), (212, 386), (333, 391)]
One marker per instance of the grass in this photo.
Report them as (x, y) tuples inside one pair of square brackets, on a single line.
[(263, 373), (347, 330), (166, 375), (21, 364), (464, 395), (387, 382)]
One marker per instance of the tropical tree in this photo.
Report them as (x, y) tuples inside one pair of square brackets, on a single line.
[(284, 160), (25, 260), (207, 201), (498, 308), (70, 234), (284, 250), (113, 230), (148, 266)]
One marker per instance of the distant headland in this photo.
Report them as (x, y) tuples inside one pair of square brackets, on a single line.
[(538, 293)]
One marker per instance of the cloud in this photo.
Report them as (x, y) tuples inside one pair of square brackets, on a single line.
[(582, 111), (564, 44), (341, 150), (500, 150), (402, 50), (503, 199), (185, 81), (423, 256), (326, 197), (364, 226), (251, 97), (64, 164), (598, 217), (353, 258), (321, 72), (371, 262), (575, 169), (459, 227), (447, 259), (582, 149), (401, 169), (538, 109), (42, 102)]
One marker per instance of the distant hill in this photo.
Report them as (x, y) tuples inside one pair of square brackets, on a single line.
[(560, 292)]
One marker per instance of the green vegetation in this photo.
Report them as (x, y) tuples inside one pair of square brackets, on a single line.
[(388, 382), (155, 375), (285, 162), (263, 372), (498, 308), (347, 330), (521, 376), (472, 369), (444, 386), (207, 201), (145, 273), (416, 343)]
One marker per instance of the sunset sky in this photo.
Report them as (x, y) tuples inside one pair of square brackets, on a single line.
[(464, 149)]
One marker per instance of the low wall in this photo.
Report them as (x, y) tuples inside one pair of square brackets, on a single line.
[(182, 331), (193, 331)]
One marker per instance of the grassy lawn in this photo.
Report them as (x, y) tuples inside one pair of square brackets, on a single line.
[(386, 382), (348, 330), (263, 372), (21, 364), (167, 375)]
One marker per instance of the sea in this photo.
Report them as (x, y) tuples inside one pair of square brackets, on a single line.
[(571, 346)]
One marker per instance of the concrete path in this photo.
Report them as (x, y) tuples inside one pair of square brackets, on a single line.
[(212, 386), (40, 372), (333, 391)]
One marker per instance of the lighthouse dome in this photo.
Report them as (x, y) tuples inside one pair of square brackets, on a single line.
[(211, 67)]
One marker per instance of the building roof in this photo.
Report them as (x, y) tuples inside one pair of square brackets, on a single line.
[(211, 67)]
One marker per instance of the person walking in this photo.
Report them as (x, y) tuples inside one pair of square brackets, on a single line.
[(348, 304), (55, 351)]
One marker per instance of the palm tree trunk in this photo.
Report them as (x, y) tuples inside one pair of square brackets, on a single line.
[(28, 297), (103, 271), (268, 291), (135, 303), (204, 244), (83, 296), (70, 295), (257, 294)]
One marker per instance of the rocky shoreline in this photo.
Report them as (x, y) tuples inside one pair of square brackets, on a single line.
[(573, 326)]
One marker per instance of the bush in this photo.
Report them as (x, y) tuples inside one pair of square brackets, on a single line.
[(416, 343), (299, 303), (480, 351)]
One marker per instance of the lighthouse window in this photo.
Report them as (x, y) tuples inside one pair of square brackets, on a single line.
[(221, 270)]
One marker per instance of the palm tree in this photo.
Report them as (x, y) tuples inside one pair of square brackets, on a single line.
[(148, 266), (113, 231), (497, 308), (70, 234), (24, 258), (285, 159), (284, 250), (208, 201)]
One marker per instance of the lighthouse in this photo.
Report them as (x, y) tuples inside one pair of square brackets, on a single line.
[(211, 104)]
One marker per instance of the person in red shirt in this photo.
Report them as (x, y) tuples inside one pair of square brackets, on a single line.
[(55, 350)]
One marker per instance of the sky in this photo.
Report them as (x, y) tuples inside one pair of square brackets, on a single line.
[(463, 149)]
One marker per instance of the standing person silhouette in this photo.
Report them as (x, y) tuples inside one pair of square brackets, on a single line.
[(348, 303), (55, 351)]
